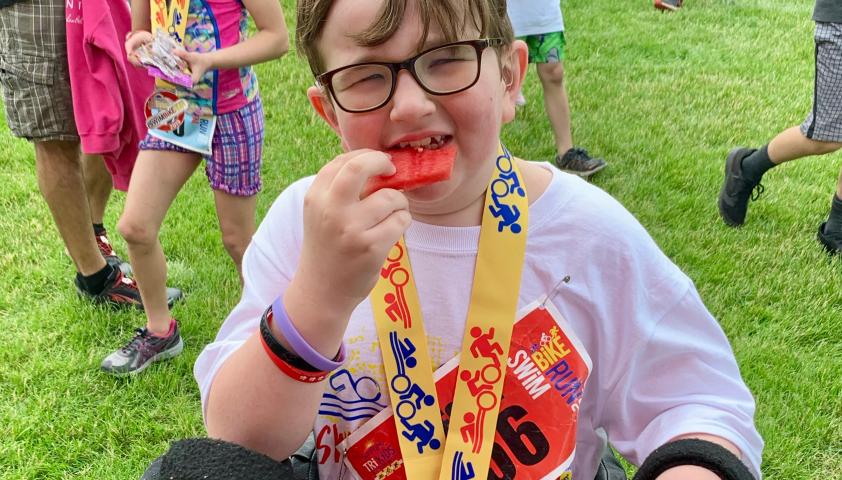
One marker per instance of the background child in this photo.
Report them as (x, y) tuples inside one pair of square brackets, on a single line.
[(219, 54), (820, 134), (540, 24), (320, 249)]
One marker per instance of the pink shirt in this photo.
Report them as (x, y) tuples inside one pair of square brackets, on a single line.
[(108, 92), (214, 25)]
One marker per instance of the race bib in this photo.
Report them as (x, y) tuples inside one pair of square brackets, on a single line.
[(168, 119), (535, 438)]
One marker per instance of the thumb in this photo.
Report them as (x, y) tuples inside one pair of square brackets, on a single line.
[(183, 54)]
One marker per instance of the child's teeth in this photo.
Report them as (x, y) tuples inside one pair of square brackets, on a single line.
[(421, 144)]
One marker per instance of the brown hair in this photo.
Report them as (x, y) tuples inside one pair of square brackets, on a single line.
[(452, 16)]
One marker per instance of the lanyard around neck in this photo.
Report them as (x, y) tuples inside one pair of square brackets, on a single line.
[(171, 16), (466, 452)]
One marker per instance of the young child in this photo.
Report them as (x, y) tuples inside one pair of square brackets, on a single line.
[(540, 24), (393, 75), (219, 54), (820, 134)]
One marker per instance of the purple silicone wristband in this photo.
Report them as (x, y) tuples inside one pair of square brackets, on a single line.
[(300, 346)]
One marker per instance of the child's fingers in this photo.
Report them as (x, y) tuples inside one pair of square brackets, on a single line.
[(387, 232), (352, 177), (136, 40), (134, 60), (376, 207), (324, 178)]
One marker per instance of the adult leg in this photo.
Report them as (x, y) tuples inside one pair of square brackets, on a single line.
[(839, 186), (744, 168), (236, 222), (98, 185), (60, 179), (830, 232), (791, 144), (819, 134), (556, 104), (156, 180)]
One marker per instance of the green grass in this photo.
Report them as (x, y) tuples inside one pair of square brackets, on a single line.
[(662, 97)]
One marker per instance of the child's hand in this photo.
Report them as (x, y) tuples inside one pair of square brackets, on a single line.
[(199, 63), (133, 41), (346, 238)]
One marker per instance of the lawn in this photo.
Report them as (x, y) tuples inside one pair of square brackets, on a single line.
[(663, 97)]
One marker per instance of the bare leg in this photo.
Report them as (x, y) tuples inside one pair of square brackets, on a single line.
[(791, 144), (237, 224), (156, 180), (556, 104), (60, 180), (98, 185)]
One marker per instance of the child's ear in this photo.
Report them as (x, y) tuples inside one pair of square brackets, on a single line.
[(320, 100), (515, 62)]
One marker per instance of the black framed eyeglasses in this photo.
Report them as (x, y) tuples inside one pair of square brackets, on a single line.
[(442, 70)]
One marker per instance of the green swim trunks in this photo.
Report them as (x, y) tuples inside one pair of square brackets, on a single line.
[(546, 47)]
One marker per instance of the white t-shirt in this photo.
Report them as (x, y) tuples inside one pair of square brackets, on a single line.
[(661, 364), (533, 17)]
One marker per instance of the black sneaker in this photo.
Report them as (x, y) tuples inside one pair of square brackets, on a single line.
[(110, 255), (668, 5), (578, 162), (832, 243), (121, 291), (736, 191), (142, 350)]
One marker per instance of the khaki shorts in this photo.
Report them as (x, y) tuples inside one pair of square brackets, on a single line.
[(33, 71)]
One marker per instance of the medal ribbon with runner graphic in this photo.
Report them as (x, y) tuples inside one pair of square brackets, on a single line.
[(409, 371)]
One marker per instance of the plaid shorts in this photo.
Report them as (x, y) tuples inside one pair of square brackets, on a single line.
[(236, 150), (825, 121), (545, 47), (33, 71)]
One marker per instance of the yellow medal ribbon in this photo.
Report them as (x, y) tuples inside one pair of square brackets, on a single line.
[(467, 451), (171, 16)]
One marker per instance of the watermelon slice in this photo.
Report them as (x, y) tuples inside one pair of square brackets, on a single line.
[(416, 167)]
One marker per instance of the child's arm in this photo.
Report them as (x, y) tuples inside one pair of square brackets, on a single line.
[(681, 380), (345, 241), (270, 41), (141, 16), (141, 28)]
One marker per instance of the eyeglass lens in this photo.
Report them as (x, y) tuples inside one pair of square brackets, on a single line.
[(444, 70)]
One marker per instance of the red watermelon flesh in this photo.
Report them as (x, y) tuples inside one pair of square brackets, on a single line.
[(416, 167)]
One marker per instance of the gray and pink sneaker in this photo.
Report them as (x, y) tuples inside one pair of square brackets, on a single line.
[(143, 350)]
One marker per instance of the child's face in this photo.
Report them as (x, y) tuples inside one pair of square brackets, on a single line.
[(471, 119)]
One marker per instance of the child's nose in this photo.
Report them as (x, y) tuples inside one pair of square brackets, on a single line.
[(409, 101)]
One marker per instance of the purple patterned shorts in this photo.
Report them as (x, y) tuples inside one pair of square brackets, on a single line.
[(236, 150)]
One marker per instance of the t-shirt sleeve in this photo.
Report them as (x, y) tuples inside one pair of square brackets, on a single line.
[(704, 392), (268, 265)]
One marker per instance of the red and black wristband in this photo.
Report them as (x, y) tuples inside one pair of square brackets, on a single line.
[(291, 364)]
